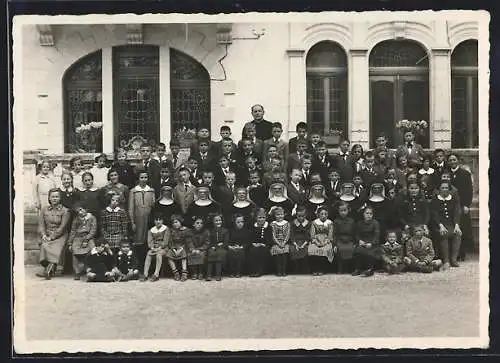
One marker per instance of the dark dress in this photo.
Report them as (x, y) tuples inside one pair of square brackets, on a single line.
[(126, 174), (380, 214), (100, 263), (258, 257), (69, 198), (199, 241), (90, 198), (368, 232), (179, 238), (313, 207), (299, 234), (215, 253), (236, 257), (206, 211), (258, 195), (344, 237), (247, 212), (354, 208)]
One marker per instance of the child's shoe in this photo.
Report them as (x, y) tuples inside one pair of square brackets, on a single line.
[(143, 278), (368, 273), (427, 269), (76, 277), (446, 266), (154, 278), (356, 273), (184, 276)]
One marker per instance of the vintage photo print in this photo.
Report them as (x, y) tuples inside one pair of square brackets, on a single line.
[(251, 181)]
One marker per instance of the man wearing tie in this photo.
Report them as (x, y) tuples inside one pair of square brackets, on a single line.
[(344, 163), (184, 190), (225, 196), (152, 167), (411, 150)]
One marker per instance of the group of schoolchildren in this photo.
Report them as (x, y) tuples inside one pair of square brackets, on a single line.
[(261, 206)]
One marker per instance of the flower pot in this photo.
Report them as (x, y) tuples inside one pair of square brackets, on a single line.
[(331, 140)]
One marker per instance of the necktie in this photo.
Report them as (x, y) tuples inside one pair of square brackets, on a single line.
[(175, 160), (186, 187), (408, 145)]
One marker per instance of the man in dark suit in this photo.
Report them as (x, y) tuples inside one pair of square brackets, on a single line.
[(301, 130), (225, 195), (245, 151), (263, 128), (222, 169), (204, 156), (411, 150), (295, 159), (344, 162), (322, 162), (439, 165), (462, 180), (152, 167), (372, 172), (295, 190)]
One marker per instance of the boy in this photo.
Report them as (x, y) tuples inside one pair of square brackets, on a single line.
[(225, 195), (296, 192), (204, 156), (160, 154), (381, 145), (333, 185), (256, 190), (371, 173), (275, 168), (322, 161), (439, 165), (295, 158), (126, 263), (281, 145), (301, 130), (344, 162), (225, 133), (228, 150), (420, 253), (305, 169), (194, 171), (184, 190), (207, 177), (251, 165), (245, 151), (165, 175), (222, 169), (249, 131), (158, 237), (359, 188), (152, 167), (203, 134), (174, 158), (411, 150), (315, 138), (272, 153), (392, 254), (100, 263)]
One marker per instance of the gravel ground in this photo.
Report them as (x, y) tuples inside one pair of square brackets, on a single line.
[(442, 304)]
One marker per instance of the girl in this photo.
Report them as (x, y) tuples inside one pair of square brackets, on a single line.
[(367, 252), (446, 212), (280, 229), (216, 254), (140, 203), (317, 198), (343, 227), (158, 237), (125, 170), (239, 236), (114, 186), (81, 238), (258, 250), (357, 157), (180, 238), (69, 195), (114, 223), (321, 247), (75, 165), (402, 170), (299, 240), (200, 241), (90, 196), (44, 182), (413, 209), (203, 206), (392, 254), (277, 197), (100, 171), (166, 206), (426, 168), (243, 205), (53, 225)]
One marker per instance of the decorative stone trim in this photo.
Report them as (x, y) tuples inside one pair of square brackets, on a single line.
[(45, 35), (295, 52), (224, 33), (134, 33), (358, 52)]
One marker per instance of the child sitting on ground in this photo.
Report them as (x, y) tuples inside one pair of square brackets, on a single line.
[(158, 237), (392, 254), (126, 263), (100, 263), (420, 253)]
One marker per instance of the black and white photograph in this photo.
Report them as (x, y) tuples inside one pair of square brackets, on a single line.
[(250, 181)]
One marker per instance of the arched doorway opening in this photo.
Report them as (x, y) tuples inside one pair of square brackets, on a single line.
[(399, 89)]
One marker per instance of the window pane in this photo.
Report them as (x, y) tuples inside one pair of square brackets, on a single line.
[(338, 104), (83, 104), (459, 111), (315, 104), (382, 110), (397, 53), (416, 107), (326, 55), (465, 54)]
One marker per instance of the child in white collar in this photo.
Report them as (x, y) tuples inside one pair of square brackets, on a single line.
[(426, 168), (392, 254), (320, 249), (158, 237), (75, 165), (113, 223), (100, 171), (280, 229), (126, 263)]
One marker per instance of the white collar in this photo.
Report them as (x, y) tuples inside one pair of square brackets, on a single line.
[(69, 190), (170, 202), (325, 223), (440, 165), (241, 204), (296, 185), (317, 201), (277, 199), (264, 226), (129, 253), (48, 176), (428, 172), (93, 189), (347, 198), (442, 198), (454, 170), (156, 230), (303, 224), (147, 188), (282, 223), (113, 210), (376, 198), (203, 203)]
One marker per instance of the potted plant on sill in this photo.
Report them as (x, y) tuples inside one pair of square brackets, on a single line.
[(185, 137), (333, 137)]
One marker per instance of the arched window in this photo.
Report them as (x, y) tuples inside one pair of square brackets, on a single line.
[(189, 93), (82, 84), (399, 89), (136, 94), (326, 73), (464, 98)]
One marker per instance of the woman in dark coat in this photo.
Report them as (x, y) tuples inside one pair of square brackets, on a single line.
[(203, 206), (243, 205), (278, 198), (260, 242), (367, 251), (166, 205)]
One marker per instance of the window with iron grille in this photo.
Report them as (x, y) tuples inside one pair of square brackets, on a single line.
[(82, 84), (464, 96), (326, 67), (189, 93), (136, 94), (399, 89)]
